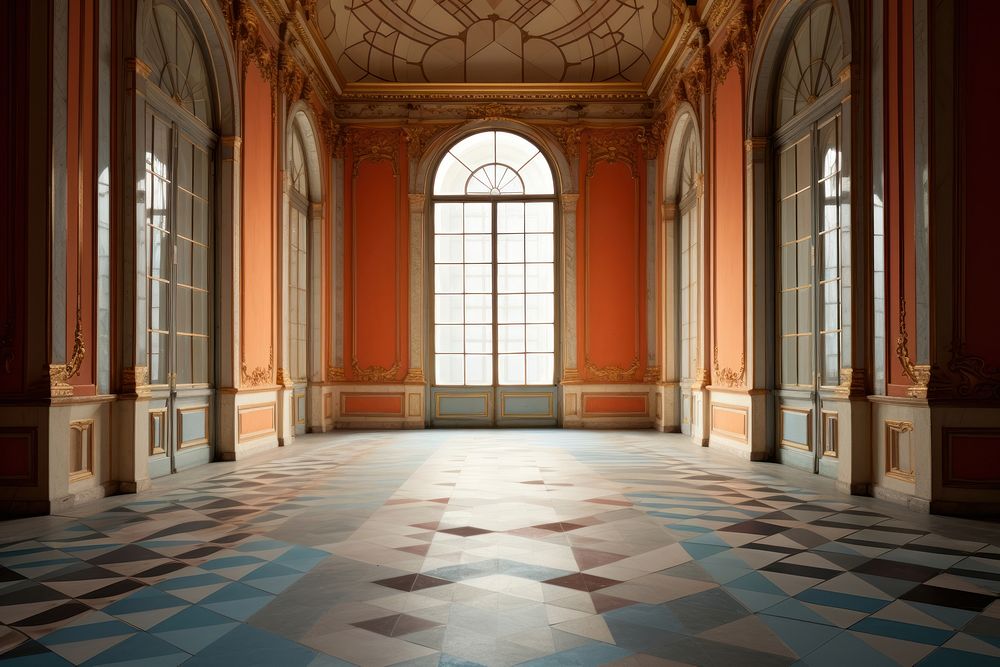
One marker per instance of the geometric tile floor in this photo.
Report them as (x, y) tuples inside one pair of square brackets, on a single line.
[(499, 548)]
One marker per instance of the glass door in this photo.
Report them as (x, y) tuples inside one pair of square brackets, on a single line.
[(178, 177)]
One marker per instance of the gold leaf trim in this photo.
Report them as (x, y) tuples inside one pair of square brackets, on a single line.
[(727, 376), (259, 376), (919, 374), (375, 373), (59, 374), (613, 373)]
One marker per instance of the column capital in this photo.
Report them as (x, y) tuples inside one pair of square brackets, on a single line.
[(417, 200), (569, 201)]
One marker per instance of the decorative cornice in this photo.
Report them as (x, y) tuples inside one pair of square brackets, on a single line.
[(735, 50), (259, 376), (375, 373), (717, 14), (919, 374), (568, 137), (613, 373), (418, 137), (494, 111), (727, 376)]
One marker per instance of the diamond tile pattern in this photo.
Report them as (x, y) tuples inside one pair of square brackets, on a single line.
[(500, 548)]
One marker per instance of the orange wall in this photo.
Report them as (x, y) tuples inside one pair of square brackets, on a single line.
[(376, 265), (258, 216), (899, 179), (980, 143), (729, 258), (80, 162), (611, 264)]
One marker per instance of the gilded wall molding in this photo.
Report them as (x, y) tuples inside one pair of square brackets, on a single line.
[(919, 374), (568, 137), (494, 111), (415, 376), (335, 374), (418, 137), (613, 146), (373, 144), (259, 376), (612, 373), (966, 377), (60, 374), (375, 373), (728, 376), (735, 50)]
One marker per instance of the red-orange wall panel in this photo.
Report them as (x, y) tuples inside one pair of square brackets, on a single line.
[(729, 207), (980, 144), (611, 291), (258, 249)]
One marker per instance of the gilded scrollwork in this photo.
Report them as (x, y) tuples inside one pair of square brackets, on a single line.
[(728, 376), (919, 374), (60, 374), (568, 137), (373, 144), (613, 146), (259, 376), (375, 373), (613, 373)]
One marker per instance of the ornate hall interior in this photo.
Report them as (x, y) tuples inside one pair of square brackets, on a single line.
[(495, 332)]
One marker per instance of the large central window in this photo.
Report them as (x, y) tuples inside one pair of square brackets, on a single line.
[(494, 272)]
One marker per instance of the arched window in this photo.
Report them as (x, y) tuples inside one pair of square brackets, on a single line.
[(812, 229), (179, 161), (298, 260), (494, 264), (688, 213)]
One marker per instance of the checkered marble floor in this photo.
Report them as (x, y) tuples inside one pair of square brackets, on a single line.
[(500, 548)]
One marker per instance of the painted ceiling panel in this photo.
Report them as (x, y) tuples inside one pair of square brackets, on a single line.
[(482, 41)]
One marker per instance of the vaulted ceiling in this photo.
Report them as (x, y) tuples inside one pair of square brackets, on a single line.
[(493, 41)]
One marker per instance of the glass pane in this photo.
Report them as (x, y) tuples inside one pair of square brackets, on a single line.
[(448, 279), (511, 368), (539, 308), (789, 365), (539, 368), (805, 360), (479, 278), (183, 309), (510, 247), (538, 217), (450, 177), (510, 338), (805, 309), (449, 337), (182, 218), (448, 218), (478, 369), (478, 248), (199, 312), (449, 309), (449, 369), (478, 308), (158, 358), (510, 278), (479, 338), (183, 362), (448, 249), (803, 206), (540, 338), (511, 308), (538, 247), (538, 278), (477, 219), (199, 358), (510, 217)]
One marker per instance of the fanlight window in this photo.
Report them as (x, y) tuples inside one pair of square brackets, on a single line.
[(175, 60), (297, 166), (494, 164), (813, 62)]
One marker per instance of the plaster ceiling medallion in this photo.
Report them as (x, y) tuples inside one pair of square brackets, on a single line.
[(493, 41)]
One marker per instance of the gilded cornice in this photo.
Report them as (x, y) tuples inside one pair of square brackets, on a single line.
[(735, 50), (613, 373), (717, 13), (727, 376)]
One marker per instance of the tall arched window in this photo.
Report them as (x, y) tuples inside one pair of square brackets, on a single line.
[(298, 260), (687, 211), (812, 235), (179, 149), (494, 266)]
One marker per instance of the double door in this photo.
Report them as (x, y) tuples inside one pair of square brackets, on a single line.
[(178, 242), (812, 249), (494, 313)]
